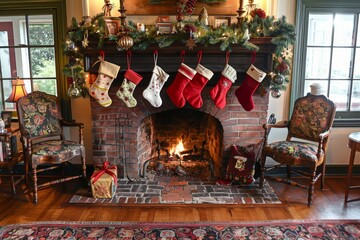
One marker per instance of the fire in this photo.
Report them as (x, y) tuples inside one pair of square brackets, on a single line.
[(179, 148)]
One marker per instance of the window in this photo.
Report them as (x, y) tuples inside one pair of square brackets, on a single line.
[(31, 36), (328, 48), (27, 51)]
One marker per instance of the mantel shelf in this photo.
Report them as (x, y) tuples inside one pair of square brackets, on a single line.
[(169, 57)]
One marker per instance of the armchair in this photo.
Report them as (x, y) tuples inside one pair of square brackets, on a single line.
[(306, 142), (42, 137)]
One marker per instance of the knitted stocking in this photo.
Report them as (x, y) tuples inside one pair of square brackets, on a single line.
[(99, 89)]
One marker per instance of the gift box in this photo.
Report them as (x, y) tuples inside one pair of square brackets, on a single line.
[(104, 181)]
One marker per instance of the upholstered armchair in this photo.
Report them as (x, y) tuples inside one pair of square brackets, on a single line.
[(45, 148), (306, 142)]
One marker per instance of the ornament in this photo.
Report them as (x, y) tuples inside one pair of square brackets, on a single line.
[(275, 93), (190, 43), (85, 42), (204, 17), (190, 7), (287, 53), (278, 79), (74, 91), (126, 42)]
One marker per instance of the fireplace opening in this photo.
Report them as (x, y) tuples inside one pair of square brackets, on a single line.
[(181, 142)]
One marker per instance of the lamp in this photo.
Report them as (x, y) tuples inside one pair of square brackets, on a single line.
[(18, 90)]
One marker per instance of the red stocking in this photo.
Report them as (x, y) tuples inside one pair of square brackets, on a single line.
[(192, 91), (244, 93), (228, 77), (182, 78)]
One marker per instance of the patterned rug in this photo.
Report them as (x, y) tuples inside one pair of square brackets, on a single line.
[(163, 190), (290, 229)]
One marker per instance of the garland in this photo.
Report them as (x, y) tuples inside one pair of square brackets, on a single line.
[(256, 24)]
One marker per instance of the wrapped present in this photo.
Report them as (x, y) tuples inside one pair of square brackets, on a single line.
[(104, 181)]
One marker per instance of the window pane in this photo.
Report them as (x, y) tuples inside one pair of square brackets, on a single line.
[(16, 29), (41, 26), (46, 85), (355, 98), (343, 36), (43, 62), (323, 85), (5, 67), (357, 64), (358, 34), (339, 93), (320, 29), (317, 63), (4, 38), (341, 63), (7, 85)]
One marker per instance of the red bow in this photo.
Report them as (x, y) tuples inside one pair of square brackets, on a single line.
[(105, 169)]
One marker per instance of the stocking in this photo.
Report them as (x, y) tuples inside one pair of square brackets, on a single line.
[(244, 93), (192, 91), (218, 93), (99, 89), (157, 81), (131, 80), (182, 78)]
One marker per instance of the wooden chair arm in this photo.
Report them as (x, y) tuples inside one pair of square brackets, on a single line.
[(281, 124), (71, 124)]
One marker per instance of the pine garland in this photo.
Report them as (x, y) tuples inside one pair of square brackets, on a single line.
[(282, 33)]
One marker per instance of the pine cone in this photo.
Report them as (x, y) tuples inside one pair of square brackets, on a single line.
[(190, 7)]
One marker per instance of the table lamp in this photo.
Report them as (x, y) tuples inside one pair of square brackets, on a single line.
[(18, 90)]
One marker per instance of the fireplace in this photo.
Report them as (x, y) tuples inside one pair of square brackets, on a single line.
[(151, 133)]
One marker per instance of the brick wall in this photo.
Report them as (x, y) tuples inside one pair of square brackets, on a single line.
[(238, 126)]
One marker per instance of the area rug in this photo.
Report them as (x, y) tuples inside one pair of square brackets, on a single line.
[(164, 190), (290, 229)]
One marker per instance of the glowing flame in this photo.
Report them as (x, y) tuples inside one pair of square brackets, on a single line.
[(179, 148)]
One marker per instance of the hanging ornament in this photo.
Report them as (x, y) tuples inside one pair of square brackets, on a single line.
[(190, 43), (74, 91), (278, 79), (126, 42), (275, 93), (85, 42), (190, 7), (204, 17)]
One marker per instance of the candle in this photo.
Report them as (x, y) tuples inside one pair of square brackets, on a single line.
[(122, 4), (85, 4)]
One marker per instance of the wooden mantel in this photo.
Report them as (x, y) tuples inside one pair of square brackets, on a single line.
[(169, 58)]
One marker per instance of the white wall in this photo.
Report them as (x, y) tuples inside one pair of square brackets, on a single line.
[(338, 152)]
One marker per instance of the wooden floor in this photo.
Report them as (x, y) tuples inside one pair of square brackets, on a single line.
[(53, 206)]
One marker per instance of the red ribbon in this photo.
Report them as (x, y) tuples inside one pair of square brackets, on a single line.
[(105, 169)]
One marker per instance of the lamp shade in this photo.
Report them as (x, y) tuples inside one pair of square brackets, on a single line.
[(18, 90)]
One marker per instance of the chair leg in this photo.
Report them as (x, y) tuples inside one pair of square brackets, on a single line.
[(311, 186), (34, 173), (288, 172), (322, 180), (12, 181)]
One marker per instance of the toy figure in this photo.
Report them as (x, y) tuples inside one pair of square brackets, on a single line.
[(107, 8)]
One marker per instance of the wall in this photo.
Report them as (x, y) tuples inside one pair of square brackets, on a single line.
[(279, 106)]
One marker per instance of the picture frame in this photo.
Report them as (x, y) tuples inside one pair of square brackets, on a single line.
[(112, 26), (219, 21), (6, 116), (164, 27), (159, 7)]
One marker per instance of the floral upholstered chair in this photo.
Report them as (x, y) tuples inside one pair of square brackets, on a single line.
[(42, 137), (306, 142)]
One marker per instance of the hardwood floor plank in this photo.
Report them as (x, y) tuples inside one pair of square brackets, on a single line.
[(54, 205)]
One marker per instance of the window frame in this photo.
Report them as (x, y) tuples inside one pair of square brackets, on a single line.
[(303, 8), (56, 8)]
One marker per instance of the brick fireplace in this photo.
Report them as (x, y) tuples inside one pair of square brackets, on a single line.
[(216, 129)]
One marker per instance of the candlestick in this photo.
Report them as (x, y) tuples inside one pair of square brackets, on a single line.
[(240, 12)]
